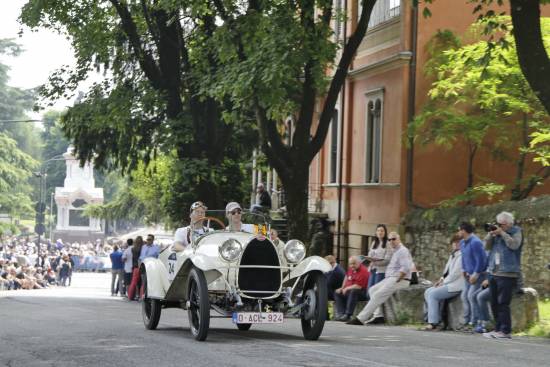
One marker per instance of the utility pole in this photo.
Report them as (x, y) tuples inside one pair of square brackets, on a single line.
[(51, 216)]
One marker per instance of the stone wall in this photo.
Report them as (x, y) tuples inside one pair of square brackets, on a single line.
[(407, 306), (427, 234)]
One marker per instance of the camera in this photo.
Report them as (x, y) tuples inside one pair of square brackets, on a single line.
[(489, 227)]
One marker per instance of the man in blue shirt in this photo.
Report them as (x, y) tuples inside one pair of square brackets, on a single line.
[(117, 271), (149, 249), (474, 265)]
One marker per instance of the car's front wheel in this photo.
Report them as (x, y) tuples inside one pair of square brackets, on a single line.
[(315, 305), (198, 308), (150, 308)]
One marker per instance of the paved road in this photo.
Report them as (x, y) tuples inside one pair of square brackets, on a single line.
[(84, 326)]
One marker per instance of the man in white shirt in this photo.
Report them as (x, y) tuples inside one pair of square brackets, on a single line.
[(184, 235), (398, 276), (127, 257)]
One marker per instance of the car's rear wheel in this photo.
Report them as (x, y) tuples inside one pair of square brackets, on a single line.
[(244, 327), (198, 308), (315, 305), (150, 308)]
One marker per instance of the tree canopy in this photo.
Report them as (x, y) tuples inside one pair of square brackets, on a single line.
[(149, 103), (17, 142), (528, 36), (486, 103), (194, 78)]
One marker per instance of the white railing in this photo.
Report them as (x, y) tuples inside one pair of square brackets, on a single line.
[(383, 11)]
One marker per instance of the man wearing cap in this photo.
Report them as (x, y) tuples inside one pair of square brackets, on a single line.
[(233, 212), (184, 235)]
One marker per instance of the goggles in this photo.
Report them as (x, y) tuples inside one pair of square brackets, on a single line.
[(198, 204)]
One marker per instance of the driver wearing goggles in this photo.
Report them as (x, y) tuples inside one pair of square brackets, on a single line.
[(183, 235)]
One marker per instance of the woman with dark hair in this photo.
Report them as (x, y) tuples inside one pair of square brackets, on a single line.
[(381, 252), (136, 279)]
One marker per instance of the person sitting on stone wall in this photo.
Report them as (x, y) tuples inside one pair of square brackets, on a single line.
[(353, 289), (335, 277), (448, 286), (398, 276)]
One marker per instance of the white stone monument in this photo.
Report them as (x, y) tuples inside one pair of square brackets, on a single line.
[(78, 191)]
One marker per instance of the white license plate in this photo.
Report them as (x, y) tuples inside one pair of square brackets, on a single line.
[(258, 318)]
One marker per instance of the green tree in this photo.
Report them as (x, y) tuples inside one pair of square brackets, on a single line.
[(484, 103), (16, 164), (149, 104), (281, 59), (15, 170), (530, 47)]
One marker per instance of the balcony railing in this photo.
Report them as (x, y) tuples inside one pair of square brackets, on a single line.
[(383, 11)]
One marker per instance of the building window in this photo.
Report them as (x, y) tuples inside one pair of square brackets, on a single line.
[(333, 160), (375, 104), (382, 11)]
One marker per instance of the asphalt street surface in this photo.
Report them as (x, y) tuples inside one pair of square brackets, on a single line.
[(83, 325)]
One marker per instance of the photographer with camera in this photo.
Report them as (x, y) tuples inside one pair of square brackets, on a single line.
[(504, 241)]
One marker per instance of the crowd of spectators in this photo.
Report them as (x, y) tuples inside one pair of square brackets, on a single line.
[(25, 265)]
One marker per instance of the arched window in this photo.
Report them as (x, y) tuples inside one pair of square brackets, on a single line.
[(333, 159), (373, 149)]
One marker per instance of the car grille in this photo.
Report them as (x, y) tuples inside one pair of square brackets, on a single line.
[(258, 279)]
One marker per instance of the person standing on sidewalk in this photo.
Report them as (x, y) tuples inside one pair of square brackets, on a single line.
[(117, 271), (149, 249), (136, 279), (504, 243), (398, 276), (474, 263), (127, 258)]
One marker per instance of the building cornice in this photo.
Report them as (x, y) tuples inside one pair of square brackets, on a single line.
[(383, 185), (388, 63)]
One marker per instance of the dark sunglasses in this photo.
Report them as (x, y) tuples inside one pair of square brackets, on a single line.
[(392, 239), (236, 211)]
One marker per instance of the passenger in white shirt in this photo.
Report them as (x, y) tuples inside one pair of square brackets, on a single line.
[(233, 212), (184, 235)]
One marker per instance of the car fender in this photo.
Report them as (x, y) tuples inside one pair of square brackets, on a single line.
[(206, 262), (157, 278), (312, 263)]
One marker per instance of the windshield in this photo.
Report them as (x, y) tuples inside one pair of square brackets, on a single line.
[(256, 223)]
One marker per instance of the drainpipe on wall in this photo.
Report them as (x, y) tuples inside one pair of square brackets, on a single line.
[(411, 105), (341, 150)]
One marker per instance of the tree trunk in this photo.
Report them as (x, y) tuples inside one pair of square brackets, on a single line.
[(471, 156), (520, 164), (296, 189), (532, 55)]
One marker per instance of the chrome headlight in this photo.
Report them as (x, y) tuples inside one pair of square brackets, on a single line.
[(230, 250), (294, 251)]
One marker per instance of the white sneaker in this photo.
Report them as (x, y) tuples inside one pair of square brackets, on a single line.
[(490, 335), (501, 335)]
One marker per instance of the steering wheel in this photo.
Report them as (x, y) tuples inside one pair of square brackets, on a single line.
[(208, 220)]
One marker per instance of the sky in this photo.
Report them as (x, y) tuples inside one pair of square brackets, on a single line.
[(44, 51)]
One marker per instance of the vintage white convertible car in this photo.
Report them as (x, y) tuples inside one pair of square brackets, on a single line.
[(241, 276)]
